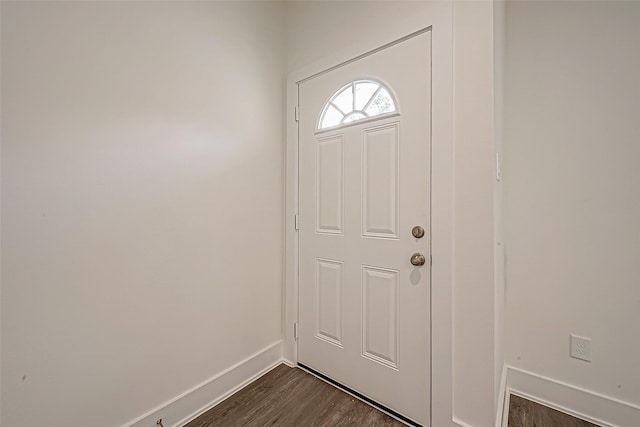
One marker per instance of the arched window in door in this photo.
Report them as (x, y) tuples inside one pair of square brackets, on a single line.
[(359, 100)]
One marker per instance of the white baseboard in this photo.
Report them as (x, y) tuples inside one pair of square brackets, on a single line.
[(502, 409), (576, 401), (459, 423), (199, 399), (289, 363)]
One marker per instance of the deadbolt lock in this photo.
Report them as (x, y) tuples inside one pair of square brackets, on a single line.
[(417, 231)]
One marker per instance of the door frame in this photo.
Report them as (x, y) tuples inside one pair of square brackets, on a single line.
[(437, 18)]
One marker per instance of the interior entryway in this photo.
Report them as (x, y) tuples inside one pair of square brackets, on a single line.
[(364, 206)]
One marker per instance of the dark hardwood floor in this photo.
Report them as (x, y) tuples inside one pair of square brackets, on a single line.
[(291, 397), (525, 413)]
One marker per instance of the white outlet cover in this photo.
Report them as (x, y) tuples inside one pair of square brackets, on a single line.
[(581, 348)]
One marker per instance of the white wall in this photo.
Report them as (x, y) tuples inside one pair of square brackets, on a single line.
[(142, 194), (572, 193), (316, 29), (474, 391), (319, 29)]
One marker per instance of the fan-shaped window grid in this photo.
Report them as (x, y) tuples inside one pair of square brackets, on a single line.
[(356, 101)]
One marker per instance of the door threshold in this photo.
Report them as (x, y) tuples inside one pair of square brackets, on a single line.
[(360, 396)]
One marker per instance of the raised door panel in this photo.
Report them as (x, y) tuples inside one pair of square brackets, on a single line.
[(380, 315), (329, 185), (380, 181), (329, 301)]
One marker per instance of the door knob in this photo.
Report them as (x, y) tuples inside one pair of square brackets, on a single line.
[(417, 259), (417, 232)]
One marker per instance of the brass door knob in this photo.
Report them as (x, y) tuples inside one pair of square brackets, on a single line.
[(417, 259)]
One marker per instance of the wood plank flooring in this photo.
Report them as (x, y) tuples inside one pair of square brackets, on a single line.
[(525, 413), (291, 397)]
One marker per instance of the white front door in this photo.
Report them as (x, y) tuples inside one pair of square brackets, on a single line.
[(364, 171)]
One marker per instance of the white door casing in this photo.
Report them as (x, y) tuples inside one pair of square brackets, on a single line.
[(364, 310)]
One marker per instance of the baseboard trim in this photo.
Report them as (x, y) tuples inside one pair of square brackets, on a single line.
[(204, 396), (460, 423), (502, 410), (576, 401), (289, 363)]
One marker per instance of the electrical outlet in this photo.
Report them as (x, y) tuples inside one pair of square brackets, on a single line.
[(581, 348)]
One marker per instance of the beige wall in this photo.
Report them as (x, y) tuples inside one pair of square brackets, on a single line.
[(572, 193), (142, 194), (316, 29)]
